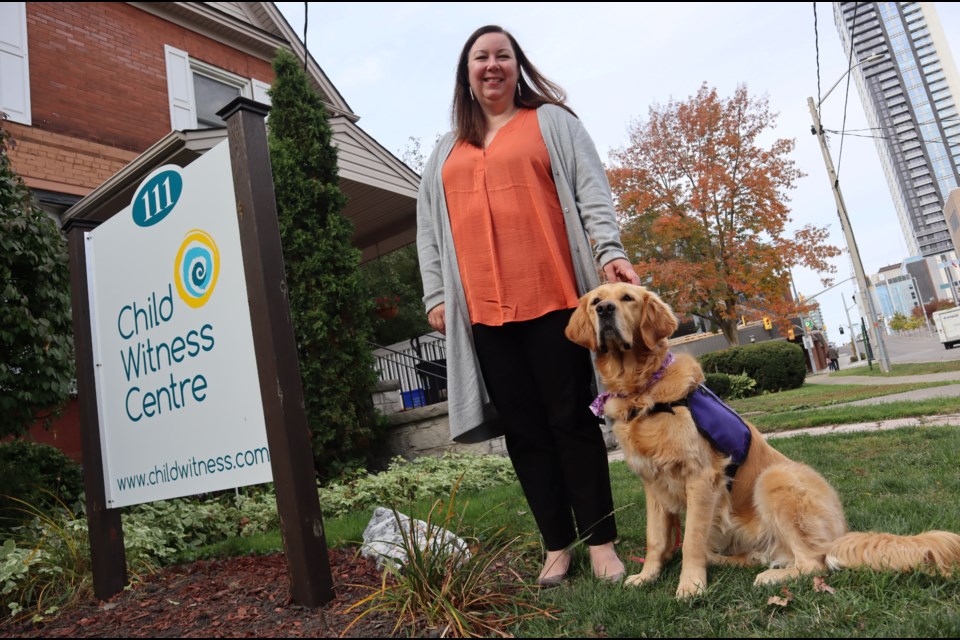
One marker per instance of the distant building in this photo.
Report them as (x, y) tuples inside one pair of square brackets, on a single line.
[(900, 288), (910, 100)]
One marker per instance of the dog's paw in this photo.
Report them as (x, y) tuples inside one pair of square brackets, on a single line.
[(690, 588), (775, 576), (640, 579)]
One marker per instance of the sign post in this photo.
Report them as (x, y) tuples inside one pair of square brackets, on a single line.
[(107, 555), (187, 364), (298, 502)]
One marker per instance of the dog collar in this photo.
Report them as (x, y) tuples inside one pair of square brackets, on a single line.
[(597, 406)]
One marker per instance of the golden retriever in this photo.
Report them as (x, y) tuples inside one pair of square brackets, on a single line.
[(775, 512)]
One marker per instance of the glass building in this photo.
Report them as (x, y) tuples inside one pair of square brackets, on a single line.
[(909, 97)]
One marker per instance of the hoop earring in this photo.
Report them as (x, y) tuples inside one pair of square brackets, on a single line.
[(472, 97)]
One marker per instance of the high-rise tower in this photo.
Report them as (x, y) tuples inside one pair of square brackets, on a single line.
[(910, 100)]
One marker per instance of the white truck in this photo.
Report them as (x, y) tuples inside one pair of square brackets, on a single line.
[(948, 326)]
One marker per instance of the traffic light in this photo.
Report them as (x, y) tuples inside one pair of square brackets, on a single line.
[(767, 323), (790, 333), (841, 330)]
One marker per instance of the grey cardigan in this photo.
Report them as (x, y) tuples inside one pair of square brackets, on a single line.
[(587, 208)]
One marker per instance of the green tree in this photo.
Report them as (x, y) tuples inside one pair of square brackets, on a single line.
[(329, 305), (36, 335), (704, 209), (899, 322), (397, 274)]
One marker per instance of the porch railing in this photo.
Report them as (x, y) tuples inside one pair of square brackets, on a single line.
[(420, 365)]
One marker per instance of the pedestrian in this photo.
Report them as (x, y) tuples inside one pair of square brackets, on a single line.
[(834, 357), (509, 203)]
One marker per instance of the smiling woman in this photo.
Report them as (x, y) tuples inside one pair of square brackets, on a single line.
[(506, 206)]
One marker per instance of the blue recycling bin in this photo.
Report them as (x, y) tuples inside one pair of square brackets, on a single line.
[(412, 399)]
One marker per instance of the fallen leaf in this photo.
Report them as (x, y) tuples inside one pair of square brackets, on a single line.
[(820, 585), (784, 601)]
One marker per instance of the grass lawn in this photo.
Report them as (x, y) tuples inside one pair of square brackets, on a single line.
[(812, 395), (903, 481), (814, 405)]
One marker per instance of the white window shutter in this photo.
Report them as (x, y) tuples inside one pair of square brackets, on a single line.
[(183, 113), (260, 92), (14, 62)]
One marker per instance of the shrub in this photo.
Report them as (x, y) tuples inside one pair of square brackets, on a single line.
[(742, 386), (329, 307), (730, 387), (446, 590), (38, 475), (719, 383), (36, 336), (775, 365), (44, 564), (407, 481)]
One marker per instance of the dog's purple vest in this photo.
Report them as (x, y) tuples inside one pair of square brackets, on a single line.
[(719, 424)]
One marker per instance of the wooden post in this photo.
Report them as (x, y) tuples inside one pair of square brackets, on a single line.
[(107, 556), (291, 457)]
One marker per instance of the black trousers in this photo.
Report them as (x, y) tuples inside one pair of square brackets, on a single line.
[(540, 383)]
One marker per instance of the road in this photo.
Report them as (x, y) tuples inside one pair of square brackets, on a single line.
[(919, 346)]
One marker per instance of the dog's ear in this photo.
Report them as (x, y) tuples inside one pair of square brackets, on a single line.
[(657, 321), (580, 328)]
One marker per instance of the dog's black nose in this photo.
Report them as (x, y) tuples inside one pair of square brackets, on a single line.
[(606, 309)]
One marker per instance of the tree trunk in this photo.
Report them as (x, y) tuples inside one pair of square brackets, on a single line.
[(729, 328)]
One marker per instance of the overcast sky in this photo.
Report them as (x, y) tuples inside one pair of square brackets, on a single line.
[(394, 65)]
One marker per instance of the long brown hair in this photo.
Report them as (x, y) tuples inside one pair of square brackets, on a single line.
[(469, 122)]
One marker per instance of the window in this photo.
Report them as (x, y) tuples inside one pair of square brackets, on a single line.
[(14, 63), (198, 90), (212, 94)]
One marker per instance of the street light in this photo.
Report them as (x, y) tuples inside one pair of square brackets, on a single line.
[(853, 338), (862, 283)]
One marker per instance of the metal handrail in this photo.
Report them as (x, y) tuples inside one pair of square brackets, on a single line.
[(417, 359), (424, 376)]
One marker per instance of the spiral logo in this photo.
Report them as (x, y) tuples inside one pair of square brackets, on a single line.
[(196, 268)]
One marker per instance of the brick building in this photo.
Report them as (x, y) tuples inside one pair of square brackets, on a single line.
[(94, 89)]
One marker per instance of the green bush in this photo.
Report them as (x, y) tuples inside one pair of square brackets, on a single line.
[(329, 306), (45, 563), (38, 475), (775, 366), (730, 387), (719, 383)]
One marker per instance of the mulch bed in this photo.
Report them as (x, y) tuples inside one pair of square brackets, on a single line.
[(242, 597)]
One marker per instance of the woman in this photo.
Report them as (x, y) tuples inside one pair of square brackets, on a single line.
[(506, 203)]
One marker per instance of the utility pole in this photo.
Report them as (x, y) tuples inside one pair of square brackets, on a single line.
[(863, 284)]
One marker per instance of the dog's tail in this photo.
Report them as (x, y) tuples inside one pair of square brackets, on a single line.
[(933, 551)]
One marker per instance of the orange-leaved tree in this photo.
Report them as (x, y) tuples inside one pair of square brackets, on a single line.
[(703, 210)]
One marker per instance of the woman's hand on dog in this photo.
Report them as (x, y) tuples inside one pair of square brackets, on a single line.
[(620, 270)]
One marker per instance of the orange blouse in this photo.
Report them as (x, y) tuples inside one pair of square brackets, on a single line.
[(508, 227)]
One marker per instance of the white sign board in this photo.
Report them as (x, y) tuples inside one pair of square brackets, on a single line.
[(176, 377)]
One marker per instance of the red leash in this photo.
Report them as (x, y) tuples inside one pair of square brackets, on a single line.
[(678, 542)]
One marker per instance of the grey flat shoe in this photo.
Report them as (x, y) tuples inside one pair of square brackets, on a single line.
[(552, 581), (615, 578)]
